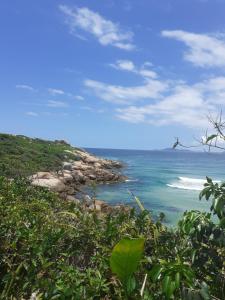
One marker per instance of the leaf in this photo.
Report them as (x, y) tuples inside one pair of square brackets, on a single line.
[(125, 258), (139, 203), (171, 289), (204, 292), (177, 280), (222, 223), (219, 206), (209, 180), (131, 284), (165, 283), (211, 137), (155, 272), (168, 286), (193, 256)]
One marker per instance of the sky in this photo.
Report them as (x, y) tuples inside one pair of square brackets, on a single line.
[(111, 73)]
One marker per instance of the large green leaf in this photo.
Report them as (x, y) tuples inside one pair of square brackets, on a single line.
[(219, 206), (168, 286), (125, 257)]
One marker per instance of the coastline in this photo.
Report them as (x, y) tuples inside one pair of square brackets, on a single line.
[(84, 171), (57, 166)]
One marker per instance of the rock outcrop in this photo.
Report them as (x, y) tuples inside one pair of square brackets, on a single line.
[(85, 169), (50, 181)]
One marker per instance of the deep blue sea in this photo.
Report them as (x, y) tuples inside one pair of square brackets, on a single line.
[(165, 181)]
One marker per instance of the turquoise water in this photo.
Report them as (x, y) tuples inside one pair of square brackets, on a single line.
[(165, 181)]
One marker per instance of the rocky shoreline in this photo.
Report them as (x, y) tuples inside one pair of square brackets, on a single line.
[(85, 170)]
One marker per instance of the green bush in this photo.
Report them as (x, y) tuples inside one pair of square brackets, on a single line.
[(56, 249)]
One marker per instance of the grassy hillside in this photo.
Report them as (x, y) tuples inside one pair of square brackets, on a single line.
[(20, 155)]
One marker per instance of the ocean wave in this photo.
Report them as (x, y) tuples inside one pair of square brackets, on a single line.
[(188, 183), (131, 180)]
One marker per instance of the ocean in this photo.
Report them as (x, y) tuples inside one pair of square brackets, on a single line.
[(165, 181)]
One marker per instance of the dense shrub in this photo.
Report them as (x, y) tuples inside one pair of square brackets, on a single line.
[(56, 249)]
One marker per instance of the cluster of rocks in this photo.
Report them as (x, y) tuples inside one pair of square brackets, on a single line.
[(101, 206), (84, 170)]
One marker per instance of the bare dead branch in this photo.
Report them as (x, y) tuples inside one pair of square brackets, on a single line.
[(210, 140)]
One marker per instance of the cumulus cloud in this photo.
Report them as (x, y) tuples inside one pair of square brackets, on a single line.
[(152, 89), (129, 66), (161, 102), (25, 87), (125, 65), (183, 104), (105, 31), (203, 50)]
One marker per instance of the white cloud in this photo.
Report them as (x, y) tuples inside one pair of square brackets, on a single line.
[(162, 102), (94, 110), (25, 87), (152, 89), (32, 114), (78, 97), (147, 73), (203, 50), (125, 65), (105, 31), (129, 66), (56, 91), (183, 104), (57, 104)]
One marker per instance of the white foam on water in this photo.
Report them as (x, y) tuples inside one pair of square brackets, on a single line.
[(131, 180), (188, 183)]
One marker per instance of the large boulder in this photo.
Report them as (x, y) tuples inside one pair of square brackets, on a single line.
[(87, 200), (97, 165), (87, 157), (100, 206), (92, 177), (78, 176), (42, 175), (90, 159), (67, 166), (73, 199), (67, 177), (53, 183), (79, 165)]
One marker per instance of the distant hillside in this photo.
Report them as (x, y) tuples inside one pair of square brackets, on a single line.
[(21, 155), (176, 150)]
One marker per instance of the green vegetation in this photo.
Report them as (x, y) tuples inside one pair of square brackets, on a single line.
[(20, 155), (56, 249), (124, 261), (52, 248)]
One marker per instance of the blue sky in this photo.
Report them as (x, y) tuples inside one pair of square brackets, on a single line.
[(112, 73)]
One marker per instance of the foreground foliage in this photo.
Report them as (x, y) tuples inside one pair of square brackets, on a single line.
[(55, 249)]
